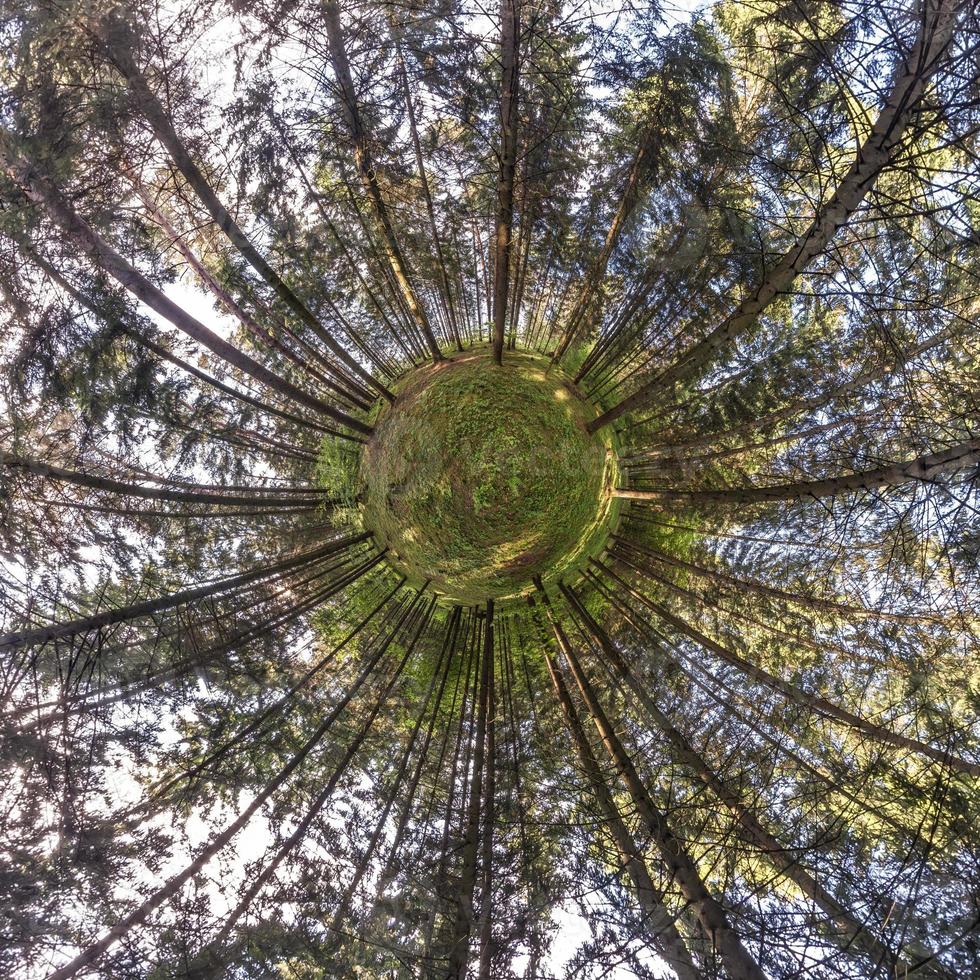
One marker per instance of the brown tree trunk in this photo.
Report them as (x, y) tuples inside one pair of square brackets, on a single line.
[(109, 485), (739, 964), (813, 701), (426, 192), (39, 190), (923, 468), (151, 606), (368, 173), (91, 954), (851, 932), (459, 952), (321, 798), (659, 925), (875, 154), (510, 34), (118, 48)]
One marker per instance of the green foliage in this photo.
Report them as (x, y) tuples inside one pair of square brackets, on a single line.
[(481, 478)]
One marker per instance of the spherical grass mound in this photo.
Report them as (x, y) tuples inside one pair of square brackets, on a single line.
[(481, 477)]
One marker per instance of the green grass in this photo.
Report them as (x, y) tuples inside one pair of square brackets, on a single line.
[(480, 478)]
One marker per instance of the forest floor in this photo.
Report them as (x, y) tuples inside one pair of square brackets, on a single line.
[(480, 477)]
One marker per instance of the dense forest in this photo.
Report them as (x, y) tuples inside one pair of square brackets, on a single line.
[(490, 492)]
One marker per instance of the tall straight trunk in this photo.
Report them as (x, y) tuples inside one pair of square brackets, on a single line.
[(354, 395), (463, 929), (488, 816), (659, 927), (321, 798), (586, 295), (39, 190), (753, 587), (110, 318), (814, 702), (284, 700), (727, 700), (368, 173), (125, 488), (643, 464), (118, 45), (447, 288), (162, 603), (850, 931), (770, 420), (439, 676), (449, 652), (937, 18), (383, 363), (467, 708), (510, 34), (739, 964), (923, 469)]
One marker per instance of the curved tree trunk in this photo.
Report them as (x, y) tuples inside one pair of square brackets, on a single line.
[(39, 190), (851, 932), (659, 925), (739, 964), (355, 396), (110, 318)]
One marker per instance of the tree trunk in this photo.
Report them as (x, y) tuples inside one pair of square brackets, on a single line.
[(739, 964), (119, 45), (816, 703), (923, 468), (851, 931), (109, 485), (659, 925), (875, 154), (321, 798), (39, 190), (510, 34), (459, 952), (162, 603), (175, 884), (369, 178), (757, 588)]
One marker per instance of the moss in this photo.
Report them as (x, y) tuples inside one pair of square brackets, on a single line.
[(480, 478)]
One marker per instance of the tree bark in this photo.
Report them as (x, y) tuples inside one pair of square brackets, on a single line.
[(119, 45), (923, 469), (91, 954), (813, 701), (109, 485), (510, 33), (368, 174), (459, 952), (659, 924), (739, 964), (851, 932), (40, 191), (875, 154), (162, 603)]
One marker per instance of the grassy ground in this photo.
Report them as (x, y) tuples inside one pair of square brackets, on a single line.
[(481, 477)]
